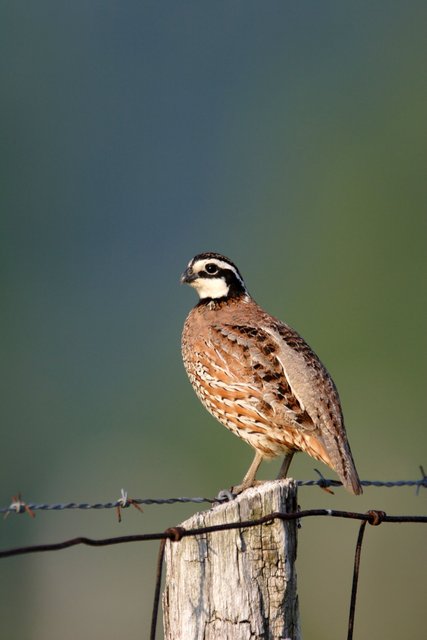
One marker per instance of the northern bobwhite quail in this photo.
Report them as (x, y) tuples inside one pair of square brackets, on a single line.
[(258, 377)]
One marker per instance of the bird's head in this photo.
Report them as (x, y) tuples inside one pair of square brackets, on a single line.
[(214, 277)]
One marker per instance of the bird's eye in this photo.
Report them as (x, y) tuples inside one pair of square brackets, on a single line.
[(211, 268)]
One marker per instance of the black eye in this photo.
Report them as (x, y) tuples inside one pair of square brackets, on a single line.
[(211, 268)]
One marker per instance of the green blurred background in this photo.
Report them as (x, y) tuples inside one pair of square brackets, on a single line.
[(290, 137)]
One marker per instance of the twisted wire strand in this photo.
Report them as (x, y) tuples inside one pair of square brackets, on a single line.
[(19, 506)]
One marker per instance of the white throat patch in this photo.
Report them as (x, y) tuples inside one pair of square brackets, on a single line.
[(210, 287)]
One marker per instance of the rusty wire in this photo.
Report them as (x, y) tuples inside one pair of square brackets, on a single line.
[(175, 534), (171, 533), (159, 570), (373, 517)]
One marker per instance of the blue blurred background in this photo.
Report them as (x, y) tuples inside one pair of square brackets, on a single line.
[(290, 137)]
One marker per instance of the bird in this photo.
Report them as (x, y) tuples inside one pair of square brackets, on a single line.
[(258, 377)]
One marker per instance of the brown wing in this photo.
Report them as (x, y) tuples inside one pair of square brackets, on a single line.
[(316, 392)]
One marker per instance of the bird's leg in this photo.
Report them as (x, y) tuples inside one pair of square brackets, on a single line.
[(249, 479), (285, 465)]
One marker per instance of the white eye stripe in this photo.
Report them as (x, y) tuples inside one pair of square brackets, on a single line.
[(200, 265)]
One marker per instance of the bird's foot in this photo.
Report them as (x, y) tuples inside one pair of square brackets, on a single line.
[(239, 488)]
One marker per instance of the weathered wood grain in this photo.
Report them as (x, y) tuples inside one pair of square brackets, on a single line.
[(238, 584)]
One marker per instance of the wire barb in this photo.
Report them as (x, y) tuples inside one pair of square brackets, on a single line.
[(124, 502), (325, 483), (18, 506), (423, 481)]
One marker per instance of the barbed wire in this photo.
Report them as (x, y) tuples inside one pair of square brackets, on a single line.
[(19, 506), (177, 533)]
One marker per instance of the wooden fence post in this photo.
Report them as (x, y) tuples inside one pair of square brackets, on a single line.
[(238, 584)]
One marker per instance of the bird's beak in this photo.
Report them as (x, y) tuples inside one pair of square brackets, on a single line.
[(188, 276)]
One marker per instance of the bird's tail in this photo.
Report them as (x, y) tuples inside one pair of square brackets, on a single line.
[(339, 461), (350, 478), (344, 466)]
